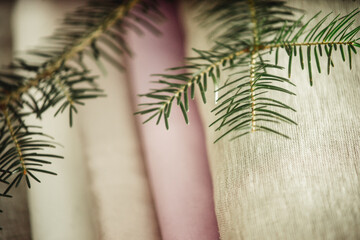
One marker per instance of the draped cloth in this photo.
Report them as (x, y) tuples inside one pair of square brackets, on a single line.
[(101, 191), (176, 158), (124, 206), (18, 205), (60, 206), (122, 180), (268, 187)]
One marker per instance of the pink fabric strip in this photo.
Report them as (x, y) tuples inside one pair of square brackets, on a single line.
[(176, 159)]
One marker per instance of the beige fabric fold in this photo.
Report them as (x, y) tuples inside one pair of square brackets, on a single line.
[(18, 204), (268, 187), (60, 206), (101, 191), (113, 152)]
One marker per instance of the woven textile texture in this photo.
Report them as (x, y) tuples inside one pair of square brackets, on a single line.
[(268, 187)]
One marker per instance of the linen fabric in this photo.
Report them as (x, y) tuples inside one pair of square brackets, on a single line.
[(269, 187)]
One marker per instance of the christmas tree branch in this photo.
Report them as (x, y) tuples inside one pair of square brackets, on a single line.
[(241, 36), (15, 141), (69, 52), (61, 79)]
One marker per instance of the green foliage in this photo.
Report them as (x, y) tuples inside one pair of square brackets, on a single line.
[(335, 35), (23, 151), (245, 33), (55, 75)]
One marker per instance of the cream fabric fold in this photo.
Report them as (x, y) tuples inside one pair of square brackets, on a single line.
[(60, 206), (176, 159), (119, 183), (18, 204), (268, 187), (101, 191)]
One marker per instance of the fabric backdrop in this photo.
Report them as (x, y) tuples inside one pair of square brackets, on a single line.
[(101, 191), (265, 187), (60, 206), (18, 204), (176, 159), (268, 187)]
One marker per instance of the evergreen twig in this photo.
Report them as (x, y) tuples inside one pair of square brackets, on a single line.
[(245, 33), (61, 78)]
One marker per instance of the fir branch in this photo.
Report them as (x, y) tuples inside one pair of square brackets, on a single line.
[(331, 37), (252, 105), (252, 92), (245, 32), (61, 78), (19, 152), (178, 85), (70, 51), (253, 57), (15, 141)]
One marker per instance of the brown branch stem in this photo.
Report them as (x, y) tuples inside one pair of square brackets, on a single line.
[(15, 140)]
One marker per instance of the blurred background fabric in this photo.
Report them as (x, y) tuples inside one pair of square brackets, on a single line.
[(118, 179), (16, 212), (102, 190), (60, 206), (176, 159)]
